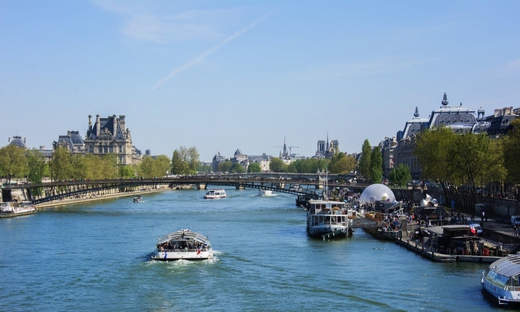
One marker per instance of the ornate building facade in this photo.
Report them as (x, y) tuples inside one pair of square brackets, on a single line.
[(458, 118), (110, 136)]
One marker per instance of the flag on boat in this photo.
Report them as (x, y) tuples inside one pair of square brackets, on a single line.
[(199, 250)]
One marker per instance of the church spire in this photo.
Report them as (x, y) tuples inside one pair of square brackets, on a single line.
[(416, 114)]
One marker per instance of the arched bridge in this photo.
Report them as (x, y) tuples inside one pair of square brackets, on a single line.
[(304, 186)]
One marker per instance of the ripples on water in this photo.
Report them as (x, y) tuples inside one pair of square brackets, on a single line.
[(95, 257)]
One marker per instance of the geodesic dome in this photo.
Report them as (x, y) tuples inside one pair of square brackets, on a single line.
[(376, 192)]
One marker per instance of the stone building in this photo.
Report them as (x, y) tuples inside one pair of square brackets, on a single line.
[(71, 141), (17, 141), (458, 118), (110, 135)]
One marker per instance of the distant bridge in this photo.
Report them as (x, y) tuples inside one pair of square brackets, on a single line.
[(302, 185)]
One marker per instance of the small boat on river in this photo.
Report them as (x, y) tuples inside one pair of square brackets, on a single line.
[(502, 279), (328, 219), (10, 209), (215, 194), (183, 244), (138, 199), (262, 192)]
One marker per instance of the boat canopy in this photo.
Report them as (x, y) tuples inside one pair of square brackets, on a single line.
[(184, 235), (509, 266)]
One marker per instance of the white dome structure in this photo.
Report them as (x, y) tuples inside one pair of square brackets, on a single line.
[(376, 192)]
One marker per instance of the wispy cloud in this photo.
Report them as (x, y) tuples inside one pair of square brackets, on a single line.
[(201, 57), (166, 22), (515, 63)]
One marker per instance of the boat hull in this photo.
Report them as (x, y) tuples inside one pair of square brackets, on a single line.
[(17, 214), (500, 280), (182, 255)]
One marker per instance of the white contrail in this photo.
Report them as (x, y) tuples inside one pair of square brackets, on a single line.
[(203, 55)]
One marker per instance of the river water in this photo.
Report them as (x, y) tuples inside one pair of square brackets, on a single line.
[(95, 257)]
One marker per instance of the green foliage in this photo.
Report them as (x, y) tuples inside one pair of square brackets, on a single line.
[(433, 152), (237, 168), (127, 171), (153, 167), (61, 164), (13, 163), (277, 165), (204, 168), (225, 166), (511, 148), (36, 164), (376, 165), (185, 160), (254, 167), (364, 161), (400, 175), (342, 163)]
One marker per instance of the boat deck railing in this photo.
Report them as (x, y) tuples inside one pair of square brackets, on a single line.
[(185, 250)]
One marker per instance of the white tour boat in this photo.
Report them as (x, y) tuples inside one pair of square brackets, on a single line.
[(9, 209), (183, 244), (215, 194), (328, 219), (502, 279), (262, 192)]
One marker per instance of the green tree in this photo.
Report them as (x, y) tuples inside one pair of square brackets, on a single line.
[(13, 163), (225, 166), (470, 154), (185, 160), (127, 171), (109, 166), (237, 168), (145, 168), (511, 152), (342, 163), (36, 164), (61, 164), (364, 161), (179, 166), (433, 152), (254, 167), (376, 165), (277, 165), (80, 167), (400, 175)]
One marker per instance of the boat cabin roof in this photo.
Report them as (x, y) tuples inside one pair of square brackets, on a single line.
[(509, 266), (184, 235)]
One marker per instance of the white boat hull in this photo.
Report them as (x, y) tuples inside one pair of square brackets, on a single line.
[(501, 280), (170, 255)]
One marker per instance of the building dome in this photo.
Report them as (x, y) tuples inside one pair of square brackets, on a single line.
[(376, 192), (17, 141)]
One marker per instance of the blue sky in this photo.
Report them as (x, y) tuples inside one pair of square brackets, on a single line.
[(227, 75)]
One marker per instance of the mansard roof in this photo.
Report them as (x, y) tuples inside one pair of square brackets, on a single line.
[(453, 116), (109, 125)]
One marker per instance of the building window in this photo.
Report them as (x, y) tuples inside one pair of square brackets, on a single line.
[(120, 148), (106, 149), (100, 150), (111, 149)]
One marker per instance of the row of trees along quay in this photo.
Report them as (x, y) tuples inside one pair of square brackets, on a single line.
[(466, 165)]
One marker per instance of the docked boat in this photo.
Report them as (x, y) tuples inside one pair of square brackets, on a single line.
[(215, 194), (328, 219), (138, 199), (502, 279), (9, 209), (183, 244), (262, 192)]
